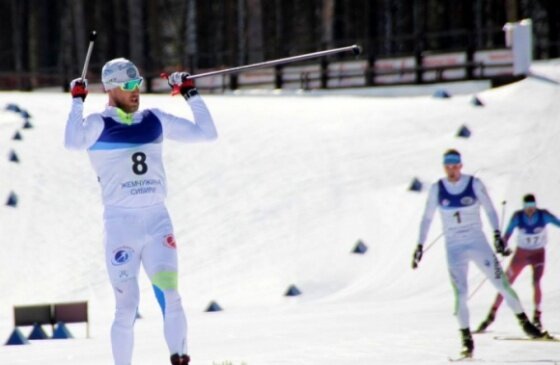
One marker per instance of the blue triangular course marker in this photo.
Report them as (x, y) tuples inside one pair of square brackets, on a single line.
[(61, 332), (27, 124), (442, 94), (415, 185), (25, 114), (464, 132), (13, 108), (37, 333), (12, 200), (17, 338), (292, 291), (17, 136), (213, 307), (476, 101), (360, 247), (13, 157)]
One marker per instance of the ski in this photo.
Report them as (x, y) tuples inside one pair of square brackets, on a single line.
[(464, 359), (519, 338)]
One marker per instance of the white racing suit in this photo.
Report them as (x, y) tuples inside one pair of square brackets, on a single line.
[(126, 153), (459, 205)]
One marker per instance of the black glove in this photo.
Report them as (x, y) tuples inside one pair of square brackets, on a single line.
[(417, 256), (500, 245), (78, 88), (180, 84)]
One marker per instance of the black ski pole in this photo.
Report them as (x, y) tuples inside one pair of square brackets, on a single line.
[(281, 61), (501, 260), (503, 215), (92, 36), (434, 241)]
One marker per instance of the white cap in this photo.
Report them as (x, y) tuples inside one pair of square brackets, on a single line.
[(117, 71)]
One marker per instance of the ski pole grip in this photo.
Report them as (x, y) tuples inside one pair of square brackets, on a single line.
[(175, 89)]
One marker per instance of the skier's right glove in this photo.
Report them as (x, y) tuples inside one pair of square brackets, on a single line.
[(180, 84), (500, 245), (417, 256), (78, 88)]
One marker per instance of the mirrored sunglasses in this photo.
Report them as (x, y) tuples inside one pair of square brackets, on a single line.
[(130, 85)]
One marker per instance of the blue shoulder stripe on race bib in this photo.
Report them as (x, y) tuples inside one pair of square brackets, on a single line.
[(113, 146), (118, 136)]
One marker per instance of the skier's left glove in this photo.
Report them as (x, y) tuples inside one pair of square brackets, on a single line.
[(500, 245), (182, 85), (417, 256), (78, 88)]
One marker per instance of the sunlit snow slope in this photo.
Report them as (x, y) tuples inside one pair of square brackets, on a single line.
[(281, 198)]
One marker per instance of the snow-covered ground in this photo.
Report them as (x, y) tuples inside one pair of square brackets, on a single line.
[(281, 198)]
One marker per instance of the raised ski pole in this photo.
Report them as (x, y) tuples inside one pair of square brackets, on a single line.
[(92, 37), (501, 260), (281, 61)]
